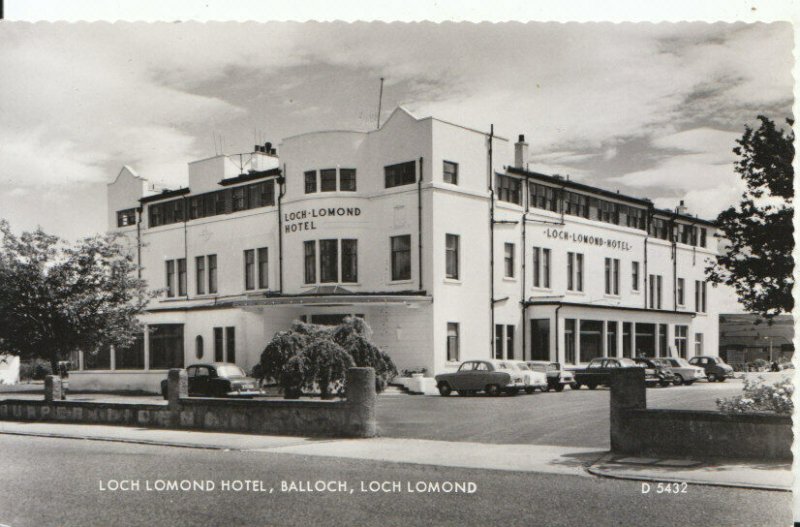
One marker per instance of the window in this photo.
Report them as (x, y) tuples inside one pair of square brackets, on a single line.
[(569, 341), (450, 172), (220, 199), (347, 179), (703, 237), (576, 204), (543, 197), (327, 180), (634, 276), (170, 278), (612, 276), (311, 181), (680, 340), (200, 275), (574, 271), (612, 330), (540, 339), (249, 269), (655, 284), (166, 346), (510, 342), (451, 256), (634, 217), (182, 277), (126, 217), (508, 189), (698, 344), (212, 273), (627, 335), (659, 228), (130, 357), (219, 343), (99, 359), (198, 347), (263, 268), (680, 291), (238, 199), (663, 350), (498, 341), (504, 342), (509, 260), (401, 257), (328, 261), (230, 344), (591, 339), (700, 296), (400, 174), (452, 341), (310, 261), (609, 212), (350, 261), (541, 267)]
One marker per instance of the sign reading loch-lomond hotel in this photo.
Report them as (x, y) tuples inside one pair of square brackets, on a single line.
[(305, 219), (600, 241)]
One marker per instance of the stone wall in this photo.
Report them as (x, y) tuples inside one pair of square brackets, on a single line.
[(352, 417), (637, 430)]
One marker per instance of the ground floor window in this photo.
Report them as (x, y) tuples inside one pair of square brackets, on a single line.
[(663, 349), (680, 340), (130, 357), (452, 341), (97, 360), (645, 340), (510, 350), (198, 346), (166, 346), (219, 346), (540, 339), (591, 339), (698, 344), (498, 341), (569, 341), (230, 344), (612, 330), (627, 335)]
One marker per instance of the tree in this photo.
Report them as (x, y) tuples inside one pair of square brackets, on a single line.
[(757, 261), (58, 298)]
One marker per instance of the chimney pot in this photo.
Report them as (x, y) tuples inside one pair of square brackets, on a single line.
[(521, 138), (521, 153)]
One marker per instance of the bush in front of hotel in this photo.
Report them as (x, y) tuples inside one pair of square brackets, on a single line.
[(34, 370), (283, 346), (758, 397), (325, 365)]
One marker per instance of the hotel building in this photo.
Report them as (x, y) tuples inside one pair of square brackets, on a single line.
[(435, 233)]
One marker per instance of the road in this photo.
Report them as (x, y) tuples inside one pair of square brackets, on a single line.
[(56, 482)]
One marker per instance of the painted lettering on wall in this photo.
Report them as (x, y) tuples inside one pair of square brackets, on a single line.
[(588, 239), (306, 219)]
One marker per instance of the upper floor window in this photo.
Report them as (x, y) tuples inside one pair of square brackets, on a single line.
[(327, 180), (450, 172), (451, 256), (574, 271), (576, 204), (249, 269), (330, 256), (310, 261), (509, 260), (401, 257), (126, 217), (212, 273), (612, 276), (700, 296), (543, 197), (635, 276), (702, 237), (347, 179), (541, 267), (400, 174), (311, 181), (656, 282), (659, 228), (508, 189), (680, 291)]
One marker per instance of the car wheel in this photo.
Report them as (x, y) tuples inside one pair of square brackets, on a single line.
[(444, 389), (592, 386), (559, 388), (492, 390), (678, 380), (722, 379), (529, 390), (664, 383), (712, 377)]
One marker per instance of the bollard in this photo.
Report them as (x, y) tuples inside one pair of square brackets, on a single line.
[(53, 388), (177, 387), (628, 391), (361, 401)]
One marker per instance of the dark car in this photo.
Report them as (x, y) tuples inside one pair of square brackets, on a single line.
[(716, 369), (489, 376), (218, 379), (598, 372), (665, 375)]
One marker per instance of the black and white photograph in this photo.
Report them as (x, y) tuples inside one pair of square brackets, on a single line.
[(396, 273)]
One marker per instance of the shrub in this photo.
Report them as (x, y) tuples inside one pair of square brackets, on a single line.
[(326, 365), (366, 354), (761, 397), (36, 369), (283, 346), (292, 375)]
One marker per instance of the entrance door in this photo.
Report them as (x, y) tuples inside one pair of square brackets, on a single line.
[(645, 340)]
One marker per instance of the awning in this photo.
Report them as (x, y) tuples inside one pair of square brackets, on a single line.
[(586, 305)]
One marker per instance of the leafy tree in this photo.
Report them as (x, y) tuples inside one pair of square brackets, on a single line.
[(57, 298), (757, 261), (283, 346), (326, 365)]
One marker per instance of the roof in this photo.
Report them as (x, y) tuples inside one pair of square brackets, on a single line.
[(250, 176), (166, 194), (606, 306)]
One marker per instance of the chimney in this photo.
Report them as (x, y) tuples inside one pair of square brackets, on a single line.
[(681, 208), (267, 147), (521, 153)]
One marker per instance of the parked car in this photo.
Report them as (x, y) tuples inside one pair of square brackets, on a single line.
[(556, 377), (665, 376), (218, 379), (684, 372), (598, 372), (489, 376), (532, 378), (715, 368)]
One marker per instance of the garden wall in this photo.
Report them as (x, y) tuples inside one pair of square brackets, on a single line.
[(636, 430), (352, 417)]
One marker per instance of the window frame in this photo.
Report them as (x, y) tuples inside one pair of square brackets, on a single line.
[(398, 175), (509, 264), (397, 257), (453, 173), (455, 343), (452, 256)]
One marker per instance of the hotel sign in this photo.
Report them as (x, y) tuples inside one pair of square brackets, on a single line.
[(306, 219), (588, 239)]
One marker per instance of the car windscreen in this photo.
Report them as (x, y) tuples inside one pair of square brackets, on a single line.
[(683, 363), (522, 366), (230, 370), (538, 367), (627, 363)]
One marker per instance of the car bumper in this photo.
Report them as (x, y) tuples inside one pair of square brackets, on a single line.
[(244, 393)]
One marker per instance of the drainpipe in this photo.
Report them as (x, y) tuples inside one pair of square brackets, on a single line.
[(675, 275), (185, 246), (419, 224), (556, 333), (282, 191), (491, 244), (646, 277), (140, 211), (524, 260)]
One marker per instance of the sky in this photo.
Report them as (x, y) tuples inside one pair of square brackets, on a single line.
[(651, 110)]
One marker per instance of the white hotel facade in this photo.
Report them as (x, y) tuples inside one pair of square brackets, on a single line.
[(395, 225)]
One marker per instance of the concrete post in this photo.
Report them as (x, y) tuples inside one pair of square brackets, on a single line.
[(628, 392), (53, 389), (361, 399), (177, 387)]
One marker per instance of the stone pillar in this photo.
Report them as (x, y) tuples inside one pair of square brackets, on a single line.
[(177, 387), (53, 389), (628, 392), (361, 401)]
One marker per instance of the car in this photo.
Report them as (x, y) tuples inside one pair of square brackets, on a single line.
[(489, 376), (533, 379), (598, 372), (684, 372), (556, 377), (665, 375), (218, 379), (715, 368)]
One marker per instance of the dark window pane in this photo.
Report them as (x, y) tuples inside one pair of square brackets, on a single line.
[(401, 257), (508, 189), (328, 261), (349, 260), (327, 180), (182, 277), (311, 181), (219, 353), (540, 339), (166, 346), (100, 359), (310, 257), (126, 217), (591, 339), (249, 269), (230, 344), (452, 341), (451, 256), (347, 179), (212, 273), (263, 268), (400, 174), (170, 272), (200, 274), (450, 172), (130, 357)]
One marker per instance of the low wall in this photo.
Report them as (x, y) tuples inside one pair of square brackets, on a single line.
[(636, 430), (117, 380), (352, 417)]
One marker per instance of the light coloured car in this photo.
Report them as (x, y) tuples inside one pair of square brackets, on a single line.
[(557, 378), (684, 372), (533, 379), (489, 376)]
